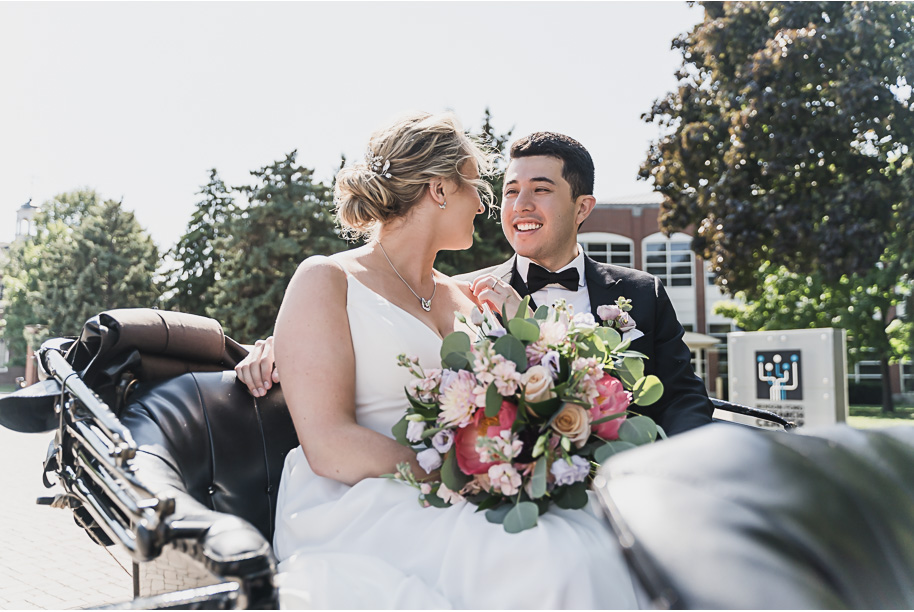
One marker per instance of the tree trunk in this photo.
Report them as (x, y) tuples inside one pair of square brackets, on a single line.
[(887, 405)]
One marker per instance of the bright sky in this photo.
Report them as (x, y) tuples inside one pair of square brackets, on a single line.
[(140, 100)]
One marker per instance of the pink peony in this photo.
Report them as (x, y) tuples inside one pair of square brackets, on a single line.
[(612, 399), (465, 441)]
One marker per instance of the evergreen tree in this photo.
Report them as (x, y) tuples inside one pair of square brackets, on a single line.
[(191, 281), (288, 219)]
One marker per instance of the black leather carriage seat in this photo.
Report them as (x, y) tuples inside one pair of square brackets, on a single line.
[(205, 439)]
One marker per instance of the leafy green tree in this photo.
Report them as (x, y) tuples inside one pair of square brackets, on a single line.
[(289, 218), (490, 246), (788, 146), (19, 288), (782, 141), (87, 256), (107, 261), (190, 282)]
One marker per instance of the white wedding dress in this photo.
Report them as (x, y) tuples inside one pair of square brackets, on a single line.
[(373, 546)]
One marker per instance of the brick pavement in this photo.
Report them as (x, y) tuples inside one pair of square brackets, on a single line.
[(46, 560)]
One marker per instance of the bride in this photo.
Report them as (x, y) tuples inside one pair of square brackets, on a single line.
[(345, 537)]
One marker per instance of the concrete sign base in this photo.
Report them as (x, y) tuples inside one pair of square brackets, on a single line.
[(800, 374)]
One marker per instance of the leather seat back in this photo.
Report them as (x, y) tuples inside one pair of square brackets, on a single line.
[(226, 446)]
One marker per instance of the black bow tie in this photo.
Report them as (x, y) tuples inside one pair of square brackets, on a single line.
[(538, 277)]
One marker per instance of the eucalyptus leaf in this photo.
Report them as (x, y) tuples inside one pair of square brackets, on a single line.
[(399, 431), (433, 500), (486, 501), (524, 330), (522, 308), (538, 480), (497, 515), (512, 349), (521, 517), (455, 343), (638, 430), (647, 390), (609, 336), (451, 475), (571, 497), (541, 313), (456, 361), (609, 449)]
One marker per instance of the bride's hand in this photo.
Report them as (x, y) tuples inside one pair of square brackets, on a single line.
[(257, 370), (491, 290)]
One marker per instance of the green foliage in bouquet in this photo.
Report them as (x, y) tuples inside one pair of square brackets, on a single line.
[(523, 416)]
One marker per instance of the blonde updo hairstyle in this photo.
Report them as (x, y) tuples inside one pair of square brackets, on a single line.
[(419, 148)]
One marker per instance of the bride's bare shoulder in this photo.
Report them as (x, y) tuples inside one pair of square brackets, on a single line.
[(318, 274)]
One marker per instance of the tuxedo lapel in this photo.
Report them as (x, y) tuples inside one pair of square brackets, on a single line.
[(601, 285)]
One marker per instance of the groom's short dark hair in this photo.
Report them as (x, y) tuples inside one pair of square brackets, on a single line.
[(577, 165)]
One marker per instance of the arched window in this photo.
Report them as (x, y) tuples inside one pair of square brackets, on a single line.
[(670, 259), (609, 248)]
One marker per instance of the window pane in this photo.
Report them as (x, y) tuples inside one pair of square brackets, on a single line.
[(681, 282)]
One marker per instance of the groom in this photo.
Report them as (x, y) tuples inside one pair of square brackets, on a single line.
[(547, 195)]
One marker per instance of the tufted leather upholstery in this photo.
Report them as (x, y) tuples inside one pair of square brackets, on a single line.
[(203, 434)]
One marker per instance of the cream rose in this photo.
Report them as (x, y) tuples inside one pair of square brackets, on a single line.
[(537, 383), (573, 422)]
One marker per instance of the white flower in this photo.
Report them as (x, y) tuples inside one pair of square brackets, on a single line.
[(429, 459), (569, 474), (476, 317), (584, 320), (451, 497), (608, 312), (505, 478), (443, 440), (414, 430), (551, 360), (553, 333)]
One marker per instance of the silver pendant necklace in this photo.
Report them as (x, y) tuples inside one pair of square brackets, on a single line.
[(426, 303)]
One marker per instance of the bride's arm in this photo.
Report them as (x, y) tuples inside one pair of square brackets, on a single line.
[(314, 355)]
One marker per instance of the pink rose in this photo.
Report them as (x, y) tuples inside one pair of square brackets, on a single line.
[(612, 399), (465, 441)]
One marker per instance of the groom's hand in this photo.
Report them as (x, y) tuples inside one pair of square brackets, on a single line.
[(257, 370)]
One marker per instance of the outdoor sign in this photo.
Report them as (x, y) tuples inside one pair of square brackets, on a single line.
[(800, 374)]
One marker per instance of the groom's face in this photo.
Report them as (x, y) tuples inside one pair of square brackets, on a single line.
[(538, 214)]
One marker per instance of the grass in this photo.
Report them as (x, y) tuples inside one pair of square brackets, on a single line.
[(867, 417), (7, 388)]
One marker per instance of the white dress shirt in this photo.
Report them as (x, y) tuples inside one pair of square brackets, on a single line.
[(546, 296)]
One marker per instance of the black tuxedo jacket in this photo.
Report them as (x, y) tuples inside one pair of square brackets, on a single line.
[(685, 404)]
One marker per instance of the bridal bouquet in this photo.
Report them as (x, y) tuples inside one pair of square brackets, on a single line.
[(521, 417)]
